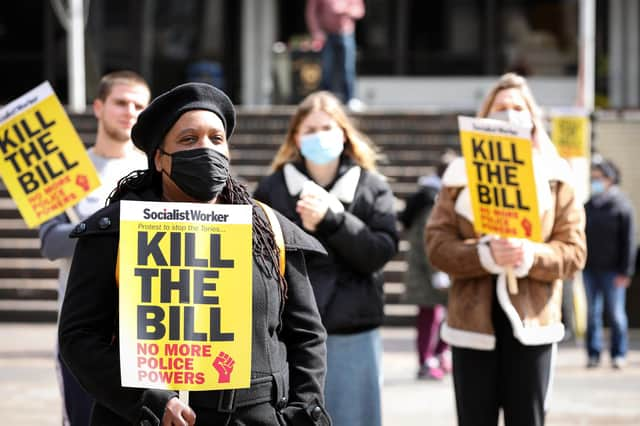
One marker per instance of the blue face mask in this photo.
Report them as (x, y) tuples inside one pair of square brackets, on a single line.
[(321, 147), (597, 186)]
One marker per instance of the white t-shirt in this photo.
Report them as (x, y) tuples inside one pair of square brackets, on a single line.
[(110, 170)]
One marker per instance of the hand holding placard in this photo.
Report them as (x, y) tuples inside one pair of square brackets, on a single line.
[(508, 253)]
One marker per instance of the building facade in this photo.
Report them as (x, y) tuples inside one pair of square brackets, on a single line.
[(411, 53)]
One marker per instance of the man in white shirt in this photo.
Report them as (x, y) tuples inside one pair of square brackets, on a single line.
[(122, 95)]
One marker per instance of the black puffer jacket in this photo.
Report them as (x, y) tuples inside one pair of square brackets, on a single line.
[(348, 284), (288, 351)]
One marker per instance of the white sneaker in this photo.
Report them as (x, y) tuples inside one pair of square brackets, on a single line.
[(618, 362), (356, 105)]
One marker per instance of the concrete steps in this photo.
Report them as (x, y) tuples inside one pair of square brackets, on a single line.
[(21, 310), (410, 145)]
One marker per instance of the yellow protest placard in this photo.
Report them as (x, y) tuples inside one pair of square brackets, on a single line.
[(571, 133), (499, 163), (185, 295), (44, 165)]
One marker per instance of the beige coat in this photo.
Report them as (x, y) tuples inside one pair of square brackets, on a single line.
[(454, 247)]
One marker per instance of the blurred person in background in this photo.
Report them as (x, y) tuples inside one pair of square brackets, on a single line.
[(503, 344), (611, 259), (324, 179), (122, 95), (424, 285), (332, 24)]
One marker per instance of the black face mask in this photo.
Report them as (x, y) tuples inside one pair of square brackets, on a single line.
[(201, 173)]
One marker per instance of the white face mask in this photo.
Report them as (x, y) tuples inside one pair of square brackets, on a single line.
[(518, 118)]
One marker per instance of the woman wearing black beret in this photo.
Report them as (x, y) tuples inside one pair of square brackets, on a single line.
[(185, 134)]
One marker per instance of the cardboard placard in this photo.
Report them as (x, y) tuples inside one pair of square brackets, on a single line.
[(499, 164), (44, 164), (185, 278)]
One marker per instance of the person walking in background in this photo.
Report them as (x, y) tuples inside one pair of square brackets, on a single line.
[(503, 344), (332, 27), (324, 179), (185, 134), (122, 95), (611, 261), (425, 286)]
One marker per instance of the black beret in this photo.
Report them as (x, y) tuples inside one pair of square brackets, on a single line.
[(162, 113)]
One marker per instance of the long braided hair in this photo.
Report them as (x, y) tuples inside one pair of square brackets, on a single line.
[(265, 250)]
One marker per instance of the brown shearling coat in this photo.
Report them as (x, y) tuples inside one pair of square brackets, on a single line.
[(535, 311)]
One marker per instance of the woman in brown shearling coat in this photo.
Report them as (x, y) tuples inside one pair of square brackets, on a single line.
[(504, 344)]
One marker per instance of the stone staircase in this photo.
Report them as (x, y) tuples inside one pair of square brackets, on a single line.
[(410, 143)]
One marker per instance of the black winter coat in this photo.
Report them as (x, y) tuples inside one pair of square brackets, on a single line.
[(348, 284), (288, 351), (611, 233)]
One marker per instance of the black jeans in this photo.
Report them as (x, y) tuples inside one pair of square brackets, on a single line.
[(263, 414), (513, 377), (77, 402)]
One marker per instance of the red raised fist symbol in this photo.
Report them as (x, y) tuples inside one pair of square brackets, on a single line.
[(82, 182), (526, 225), (224, 366)]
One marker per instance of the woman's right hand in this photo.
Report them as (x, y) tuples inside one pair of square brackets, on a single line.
[(177, 413), (507, 252)]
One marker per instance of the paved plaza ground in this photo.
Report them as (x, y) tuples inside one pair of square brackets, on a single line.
[(581, 397)]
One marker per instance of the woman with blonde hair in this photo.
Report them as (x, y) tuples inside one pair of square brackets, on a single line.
[(522, 110), (504, 345), (324, 180)]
